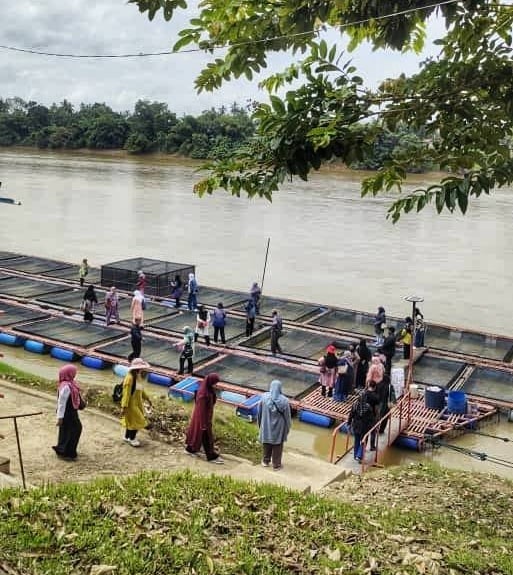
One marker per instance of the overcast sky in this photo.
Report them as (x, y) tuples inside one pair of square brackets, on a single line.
[(112, 26)]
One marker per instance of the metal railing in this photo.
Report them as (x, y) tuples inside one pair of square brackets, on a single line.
[(400, 413)]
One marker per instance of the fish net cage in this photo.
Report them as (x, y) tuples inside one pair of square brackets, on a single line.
[(159, 275)]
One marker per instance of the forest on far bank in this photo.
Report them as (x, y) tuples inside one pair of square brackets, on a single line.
[(153, 127)]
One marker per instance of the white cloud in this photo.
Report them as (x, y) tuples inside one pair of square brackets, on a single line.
[(83, 26)]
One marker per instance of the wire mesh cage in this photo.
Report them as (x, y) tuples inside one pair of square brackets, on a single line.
[(159, 275)]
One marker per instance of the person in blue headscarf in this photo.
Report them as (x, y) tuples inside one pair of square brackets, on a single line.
[(274, 420)]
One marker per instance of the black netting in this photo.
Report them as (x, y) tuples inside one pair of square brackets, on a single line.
[(27, 288), (436, 371), (492, 383), (32, 265), (12, 314), (235, 326)]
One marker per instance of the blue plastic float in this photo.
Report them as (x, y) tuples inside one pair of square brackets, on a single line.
[(457, 402), (93, 362), (184, 389), (249, 408), (34, 346), (315, 418), (120, 370), (13, 340), (158, 379), (62, 354), (232, 397), (408, 443)]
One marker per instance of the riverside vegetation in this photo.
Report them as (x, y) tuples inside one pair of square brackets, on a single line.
[(419, 519)]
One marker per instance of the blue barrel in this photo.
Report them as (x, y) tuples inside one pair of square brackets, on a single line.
[(232, 397), (407, 443), (93, 362), (177, 390), (249, 408), (434, 397), (34, 346), (457, 402), (8, 339), (315, 418), (120, 370), (158, 379), (62, 354)]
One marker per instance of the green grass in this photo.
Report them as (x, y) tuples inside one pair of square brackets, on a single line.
[(184, 523), (169, 418)]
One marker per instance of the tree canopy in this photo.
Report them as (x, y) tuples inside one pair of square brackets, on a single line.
[(319, 108)]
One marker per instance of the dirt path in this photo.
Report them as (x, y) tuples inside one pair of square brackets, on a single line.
[(102, 451)]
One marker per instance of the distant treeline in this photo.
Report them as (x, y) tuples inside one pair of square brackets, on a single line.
[(152, 127)]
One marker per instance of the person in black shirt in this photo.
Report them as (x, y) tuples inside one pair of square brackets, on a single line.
[(388, 349), (135, 339)]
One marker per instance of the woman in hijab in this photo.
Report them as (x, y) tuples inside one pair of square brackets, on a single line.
[(186, 347), (364, 358), (376, 371), (88, 303), (202, 324), (328, 371), (132, 410), (136, 307), (200, 427), (274, 421), (68, 404)]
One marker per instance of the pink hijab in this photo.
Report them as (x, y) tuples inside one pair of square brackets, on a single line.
[(376, 370), (67, 377)]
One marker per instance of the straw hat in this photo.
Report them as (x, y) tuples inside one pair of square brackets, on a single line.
[(138, 363)]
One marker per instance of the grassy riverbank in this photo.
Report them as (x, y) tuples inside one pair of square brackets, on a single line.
[(168, 419), (184, 523)]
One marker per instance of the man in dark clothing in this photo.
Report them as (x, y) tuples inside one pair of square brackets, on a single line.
[(361, 419), (276, 332), (383, 390), (388, 349), (372, 398), (136, 339)]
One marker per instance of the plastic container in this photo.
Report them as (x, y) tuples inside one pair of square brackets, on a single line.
[(249, 409), (13, 340), (63, 354), (93, 362), (158, 379), (414, 391), (397, 381), (232, 397), (315, 418), (408, 443), (120, 370), (34, 346), (178, 390), (434, 397), (457, 402)]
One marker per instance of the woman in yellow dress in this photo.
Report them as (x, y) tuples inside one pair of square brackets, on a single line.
[(132, 410)]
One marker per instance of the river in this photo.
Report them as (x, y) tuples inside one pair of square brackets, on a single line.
[(328, 245)]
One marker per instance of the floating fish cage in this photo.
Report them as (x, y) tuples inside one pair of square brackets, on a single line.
[(159, 275)]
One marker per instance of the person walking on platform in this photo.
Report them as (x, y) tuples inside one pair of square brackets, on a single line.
[(137, 307), (345, 377), (111, 306), (328, 371), (360, 421), (388, 349), (135, 339), (186, 347), (200, 433), (274, 422), (380, 320), (364, 358), (202, 324), (177, 290), (376, 371), (420, 328), (405, 337), (193, 288), (141, 282), (83, 270), (250, 317), (88, 303), (69, 402), (132, 409), (276, 332), (255, 293), (219, 323)]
